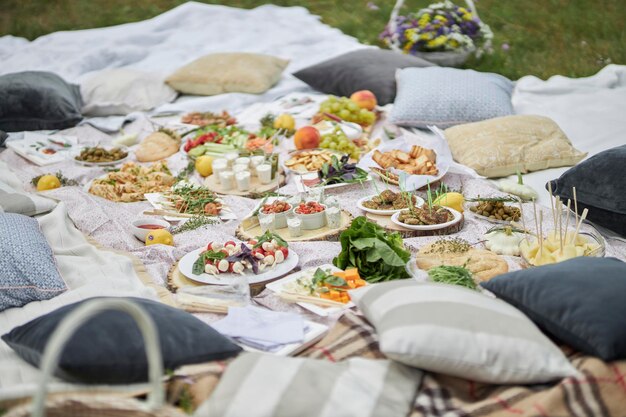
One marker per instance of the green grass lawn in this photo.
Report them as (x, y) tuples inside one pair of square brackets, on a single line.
[(570, 37)]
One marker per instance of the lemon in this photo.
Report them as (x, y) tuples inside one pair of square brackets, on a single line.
[(452, 200), (48, 182), (204, 165), (285, 121), (159, 236)]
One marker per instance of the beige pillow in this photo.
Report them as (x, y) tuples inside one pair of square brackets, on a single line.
[(228, 73), (501, 146)]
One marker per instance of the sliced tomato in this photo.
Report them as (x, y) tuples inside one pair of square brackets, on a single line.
[(284, 250), (230, 242), (209, 246)]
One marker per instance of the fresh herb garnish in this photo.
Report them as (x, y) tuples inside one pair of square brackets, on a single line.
[(453, 275), (339, 171), (267, 237), (194, 223), (199, 264), (62, 178), (185, 172)]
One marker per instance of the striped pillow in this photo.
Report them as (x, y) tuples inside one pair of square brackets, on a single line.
[(261, 385), (460, 332)]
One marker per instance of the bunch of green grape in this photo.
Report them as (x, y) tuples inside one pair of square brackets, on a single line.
[(347, 110), (337, 140)]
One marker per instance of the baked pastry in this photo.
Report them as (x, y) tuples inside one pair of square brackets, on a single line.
[(482, 263), (158, 145)]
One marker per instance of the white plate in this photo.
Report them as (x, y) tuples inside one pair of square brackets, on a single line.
[(156, 200), (185, 265), (301, 187), (30, 147), (296, 152), (101, 164), (419, 201), (278, 286), (457, 218)]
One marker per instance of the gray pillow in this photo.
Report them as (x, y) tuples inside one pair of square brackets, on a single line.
[(459, 332), (582, 302), (13, 199), (448, 97), (28, 271), (600, 187), (365, 69), (37, 100), (109, 348)]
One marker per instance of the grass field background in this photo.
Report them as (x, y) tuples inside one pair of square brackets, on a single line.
[(540, 37)]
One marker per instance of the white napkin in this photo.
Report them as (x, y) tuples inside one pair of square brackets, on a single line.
[(261, 327)]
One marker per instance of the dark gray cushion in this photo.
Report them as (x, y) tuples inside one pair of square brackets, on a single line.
[(581, 302), (37, 100), (600, 183), (366, 69), (109, 349)]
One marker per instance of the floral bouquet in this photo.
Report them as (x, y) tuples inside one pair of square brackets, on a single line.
[(441, 27)]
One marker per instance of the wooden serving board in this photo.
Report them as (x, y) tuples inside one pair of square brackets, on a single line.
[(250, 228), (256, 188), (386, 223), (176, 280)]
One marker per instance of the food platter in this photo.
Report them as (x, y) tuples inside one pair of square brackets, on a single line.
[(250, 227), (386, 223), (457, 218), (256, 187), (186, 267), (310, 157), (307, 181), (360, 205), (123, 149), (157, 200), (284, 284)]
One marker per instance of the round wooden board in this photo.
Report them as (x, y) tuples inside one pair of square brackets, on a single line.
[(176, 280), (256, 188), (249, 229), (387, 224)]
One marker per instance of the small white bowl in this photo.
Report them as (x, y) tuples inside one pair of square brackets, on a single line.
[(312, 221), (141, 233), (280, 219)]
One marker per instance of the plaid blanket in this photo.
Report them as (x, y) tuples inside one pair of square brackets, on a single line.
[(600, 393)]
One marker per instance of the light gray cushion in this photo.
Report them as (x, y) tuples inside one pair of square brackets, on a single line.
[(460, 332), (13, 199), (121, 91), (28, 271), (447, 97)]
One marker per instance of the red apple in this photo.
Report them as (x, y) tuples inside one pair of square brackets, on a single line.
[(365, 99), (307, 137)]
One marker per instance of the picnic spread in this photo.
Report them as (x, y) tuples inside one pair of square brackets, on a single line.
[(457, 249)]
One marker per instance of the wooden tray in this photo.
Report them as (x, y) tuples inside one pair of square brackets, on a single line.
[(387, 224), (250, 228), (176, 280), (256, 188)]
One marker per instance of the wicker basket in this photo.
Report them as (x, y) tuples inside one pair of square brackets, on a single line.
[(102, 404), (444, 59)]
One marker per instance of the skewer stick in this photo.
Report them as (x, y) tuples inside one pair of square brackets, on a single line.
[(559, 219), (298, 298), (540, 234), (569, 202), (552, 203), (582, 218), (521, 214), (575, 206)]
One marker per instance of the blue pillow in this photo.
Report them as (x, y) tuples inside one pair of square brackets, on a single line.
[(447, 97), (581, 302), (28, 271)]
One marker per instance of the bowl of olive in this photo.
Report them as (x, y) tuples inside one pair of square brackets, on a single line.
[(101, 155)]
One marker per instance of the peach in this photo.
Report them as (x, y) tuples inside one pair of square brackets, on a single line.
[(365, 99), (307, 137)]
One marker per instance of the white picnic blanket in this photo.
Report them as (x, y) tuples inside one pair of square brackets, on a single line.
[(168, 41)]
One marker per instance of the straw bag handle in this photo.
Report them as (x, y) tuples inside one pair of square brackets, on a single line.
[(396, 11), (79, 316)]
